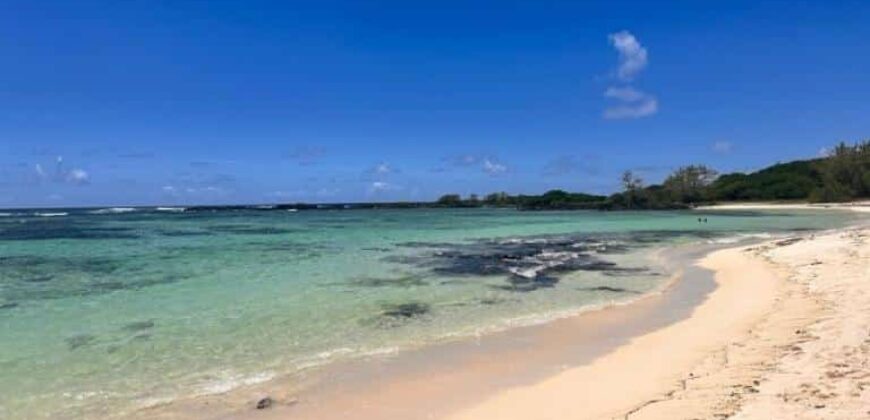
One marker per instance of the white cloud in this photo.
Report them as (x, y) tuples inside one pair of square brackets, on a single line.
[(40, 172), (170, 190), (77, 177), (625, 94), (174, 191), (825, 152), (61, 175), (493, 168), (633, 103), (723, 147), (379, 186), (382, 168), (632, 56), (379, 172)]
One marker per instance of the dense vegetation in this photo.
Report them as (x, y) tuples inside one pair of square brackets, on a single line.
[(841, 176)]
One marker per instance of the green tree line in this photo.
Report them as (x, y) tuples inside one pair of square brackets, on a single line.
[(842, 175)]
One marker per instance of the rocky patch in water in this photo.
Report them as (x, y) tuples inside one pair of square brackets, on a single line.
[(138, 326), (403, 281), (241, 229), (529, 264), (40, 277), (607, 289), (405, 310), (80, 340), (62, 229)]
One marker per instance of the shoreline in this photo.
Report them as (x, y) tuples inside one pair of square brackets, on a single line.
[(795, 345), (466, 363), (528, 373), (854, 206), (640, 373)]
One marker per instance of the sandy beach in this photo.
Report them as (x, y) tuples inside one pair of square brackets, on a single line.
[(784, 335), (781, 331)]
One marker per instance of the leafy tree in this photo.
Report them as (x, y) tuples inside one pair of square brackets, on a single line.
[(450, 200), (688, 184), (632, 188), (845, 173)]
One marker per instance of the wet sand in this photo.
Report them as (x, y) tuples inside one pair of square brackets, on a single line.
[(439, 380), (773, 330)]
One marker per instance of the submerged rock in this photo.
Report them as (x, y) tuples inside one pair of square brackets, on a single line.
[(8, 305), (265, 403), (607, 289), (404, 281), (406, 310), (79, 340)]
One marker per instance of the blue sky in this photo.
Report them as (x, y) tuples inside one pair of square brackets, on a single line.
[(174, 102)]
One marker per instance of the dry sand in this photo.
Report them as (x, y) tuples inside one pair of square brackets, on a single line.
[(785, 335), (857, 206)]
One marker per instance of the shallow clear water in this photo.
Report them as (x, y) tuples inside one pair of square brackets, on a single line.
[(126, 309)]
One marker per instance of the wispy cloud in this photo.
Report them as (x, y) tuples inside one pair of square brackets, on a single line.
[(722, 147), (487, 164), (77, 177), (632, 56), (378, 187), (383, 168), (629, 102), (379, 171), (61, 175), (208, 191), (493, 168)]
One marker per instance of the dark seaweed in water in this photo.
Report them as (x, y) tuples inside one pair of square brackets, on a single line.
[(523, 284), (79, 340), (62, 229), (39, 279), (80, 276), (249, 230), (607, 289), (532, 263), (184, 233), (404, 281), (528, 263), (405, 310)]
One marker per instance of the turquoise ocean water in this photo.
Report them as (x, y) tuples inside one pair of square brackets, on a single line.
[(127, 308)]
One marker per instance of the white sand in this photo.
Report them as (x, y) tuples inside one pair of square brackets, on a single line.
[(784, 336), (858, 206)]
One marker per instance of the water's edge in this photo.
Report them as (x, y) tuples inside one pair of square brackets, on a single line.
[(545, 348)]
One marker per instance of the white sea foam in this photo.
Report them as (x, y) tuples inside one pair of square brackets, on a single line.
[(113, 210), (171, 209), (732, 239), (229, 381), (55, 214)]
